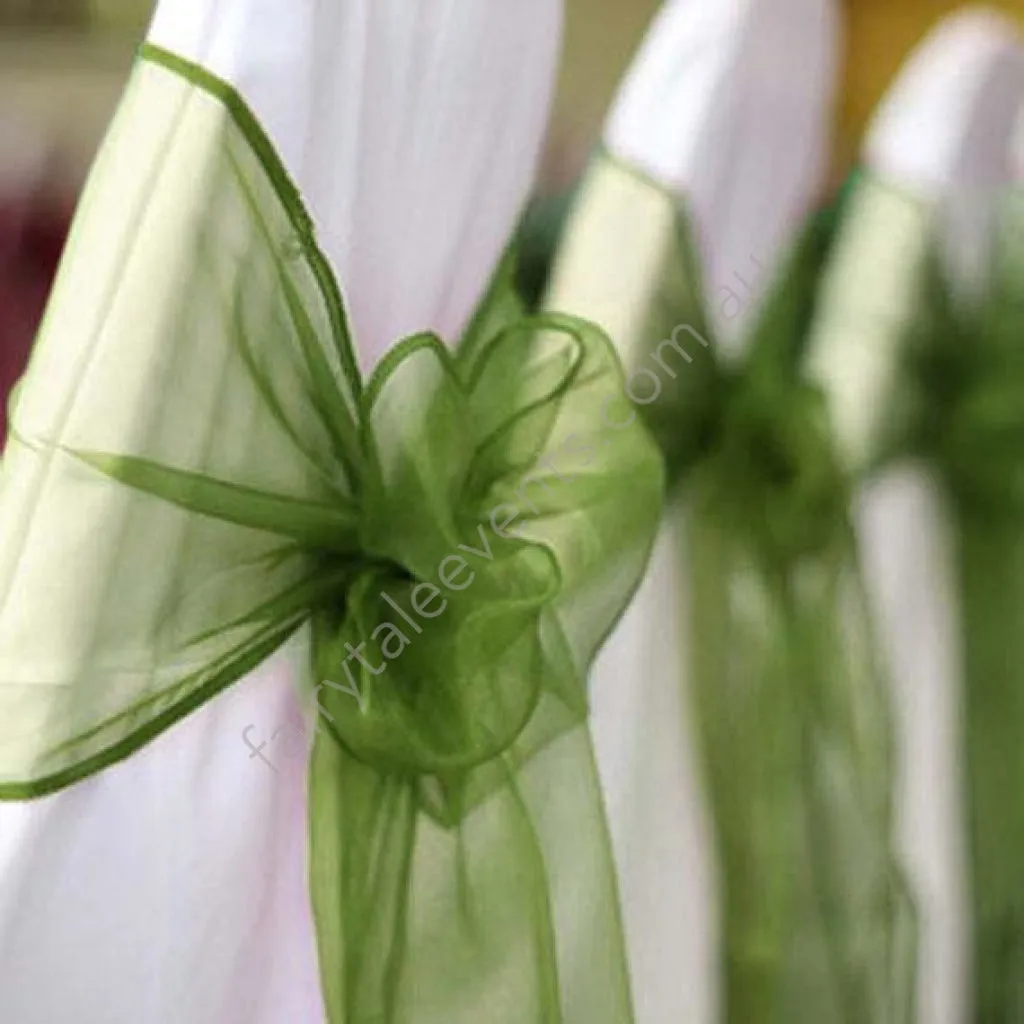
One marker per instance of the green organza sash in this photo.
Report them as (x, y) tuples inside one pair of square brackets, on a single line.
[(791, 697), (197, 472), (969, 367), (792, 709)]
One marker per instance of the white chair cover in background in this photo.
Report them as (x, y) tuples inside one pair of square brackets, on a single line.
[(171, 888), (943, 131), (717, 110)]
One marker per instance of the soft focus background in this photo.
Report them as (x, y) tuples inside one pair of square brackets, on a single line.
[(62, 64)]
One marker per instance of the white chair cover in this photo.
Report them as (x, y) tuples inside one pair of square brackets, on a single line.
[(171, 888), (943, 131), (703, 111)]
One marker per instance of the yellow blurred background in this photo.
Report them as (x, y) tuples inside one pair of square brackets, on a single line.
[(62, 63), (601, 35)]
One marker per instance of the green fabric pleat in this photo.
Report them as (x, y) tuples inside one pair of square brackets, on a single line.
[(969, 366), (792, 708), (458, 534), (991, 573)]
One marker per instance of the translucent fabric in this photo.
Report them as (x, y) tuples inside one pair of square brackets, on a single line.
[(268, 488), (793, 706), (969, 366), (792, 711), (150, 646)]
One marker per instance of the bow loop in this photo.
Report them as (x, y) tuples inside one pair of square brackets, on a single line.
[(482, 530)]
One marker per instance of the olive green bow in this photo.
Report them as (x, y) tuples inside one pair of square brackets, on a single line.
[(795, 725), (460, 533)]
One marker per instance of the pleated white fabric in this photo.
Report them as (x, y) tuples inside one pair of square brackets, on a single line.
[(704, 111), (945, 131), (171, 888)]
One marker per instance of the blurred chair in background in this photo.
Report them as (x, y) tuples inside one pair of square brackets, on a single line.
[(937, 149), (693, 158)]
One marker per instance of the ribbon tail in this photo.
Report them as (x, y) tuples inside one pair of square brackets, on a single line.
[(863, 898), (362, 838), (796, 732), (981, 467), (425, 921), (991, 563), (747, 733)]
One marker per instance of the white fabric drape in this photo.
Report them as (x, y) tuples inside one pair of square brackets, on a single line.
[(171, 888)]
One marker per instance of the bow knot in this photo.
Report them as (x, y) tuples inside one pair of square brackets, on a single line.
[(773, 470), (450, 633), (760, 445), (461, 588), (981, 441)]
